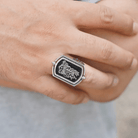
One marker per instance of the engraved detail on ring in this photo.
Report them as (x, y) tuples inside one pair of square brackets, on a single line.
[(68, 70)]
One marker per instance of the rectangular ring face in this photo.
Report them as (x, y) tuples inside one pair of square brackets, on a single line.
[(68, 70)]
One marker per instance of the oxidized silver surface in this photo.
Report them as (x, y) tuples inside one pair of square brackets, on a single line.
[(68, 70)]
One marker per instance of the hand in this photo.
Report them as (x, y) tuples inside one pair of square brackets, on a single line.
[(34, 33), (129, 7)]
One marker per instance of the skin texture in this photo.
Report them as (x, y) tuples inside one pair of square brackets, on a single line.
[(35, 33)]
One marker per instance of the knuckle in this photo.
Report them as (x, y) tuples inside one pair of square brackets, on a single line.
[(90, 78), (106, 14), (106, 51), (79, 13), (85, 40)]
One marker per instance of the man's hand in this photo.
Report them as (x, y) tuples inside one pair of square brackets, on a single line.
[(33, 33)]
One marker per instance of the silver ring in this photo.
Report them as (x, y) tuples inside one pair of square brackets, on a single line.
[(70, 71)]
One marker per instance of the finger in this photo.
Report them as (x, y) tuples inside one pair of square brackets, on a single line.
[(93, 77), (97, 79), (88, 15), (95, 48), (57, 90)]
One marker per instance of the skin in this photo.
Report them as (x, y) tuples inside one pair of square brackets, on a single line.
[(34, 33), (129, 7)]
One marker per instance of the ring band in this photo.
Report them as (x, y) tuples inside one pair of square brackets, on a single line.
[(70, 71)]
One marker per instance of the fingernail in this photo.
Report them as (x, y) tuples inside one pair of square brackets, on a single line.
[(135, 27), (85, 100), (115, 81), (134, 64)]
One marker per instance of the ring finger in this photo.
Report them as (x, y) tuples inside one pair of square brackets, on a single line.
[(93, 77)]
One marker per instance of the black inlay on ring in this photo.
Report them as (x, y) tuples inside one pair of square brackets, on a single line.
[(68, 70)]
